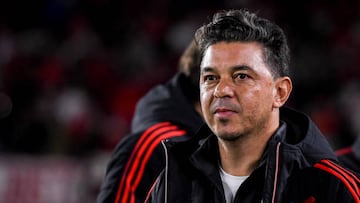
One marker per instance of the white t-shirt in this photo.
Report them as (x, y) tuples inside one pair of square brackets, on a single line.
[(231, 184)]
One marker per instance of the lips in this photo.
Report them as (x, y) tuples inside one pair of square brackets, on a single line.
[(222, 107), (223, 110)]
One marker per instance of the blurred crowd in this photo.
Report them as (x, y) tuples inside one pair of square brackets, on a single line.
[(72, 71)]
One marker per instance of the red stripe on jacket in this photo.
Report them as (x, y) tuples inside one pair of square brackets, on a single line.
[(350, 181), (140, 156)]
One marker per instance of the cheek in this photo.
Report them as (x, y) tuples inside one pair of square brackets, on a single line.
[(203, 94), (256, 98), (264, 97), (205, 97)]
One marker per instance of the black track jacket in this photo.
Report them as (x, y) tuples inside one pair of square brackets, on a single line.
[(298, 166), (165, 112)]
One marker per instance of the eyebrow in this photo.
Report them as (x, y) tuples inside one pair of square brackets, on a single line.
[(241, 67), (206, 69), (233, 68)]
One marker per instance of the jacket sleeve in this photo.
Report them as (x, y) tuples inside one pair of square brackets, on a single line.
[(135, 164), (347, 182), (326, 181), (129, 174), (115, 169)]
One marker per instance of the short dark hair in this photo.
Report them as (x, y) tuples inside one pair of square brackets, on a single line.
[(244, 26), (189, 65), (190, 60)]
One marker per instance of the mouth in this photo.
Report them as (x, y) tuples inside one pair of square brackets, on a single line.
[(223, 109), (223, 112)]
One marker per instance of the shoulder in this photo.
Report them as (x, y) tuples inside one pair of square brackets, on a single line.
[(347, 178), (136, 161), (149, 138), (136, 146), (326, 181)]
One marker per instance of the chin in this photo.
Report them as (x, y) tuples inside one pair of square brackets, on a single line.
[(228, 136)]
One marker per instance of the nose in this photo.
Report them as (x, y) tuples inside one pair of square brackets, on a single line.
[(224, 89)]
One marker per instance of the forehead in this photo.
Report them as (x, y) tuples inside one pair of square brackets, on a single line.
[(225, 54)]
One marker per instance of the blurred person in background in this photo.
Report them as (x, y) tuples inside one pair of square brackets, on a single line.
[(350, 156), (349, 101), (167, 111), (254, 148)]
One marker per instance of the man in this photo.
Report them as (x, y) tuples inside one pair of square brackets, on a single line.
[(168, 111), (254, 150)]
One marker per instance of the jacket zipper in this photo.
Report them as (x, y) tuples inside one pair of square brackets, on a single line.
[(166, 171), (276, 171)]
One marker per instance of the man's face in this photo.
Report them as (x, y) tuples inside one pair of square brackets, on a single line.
[(237, 90)]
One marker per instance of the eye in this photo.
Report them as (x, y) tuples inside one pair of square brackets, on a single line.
[(209, 77), (241, 76)]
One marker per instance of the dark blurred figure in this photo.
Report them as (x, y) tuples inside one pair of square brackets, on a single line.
[(168, 111), (349, 102), (350, 156)]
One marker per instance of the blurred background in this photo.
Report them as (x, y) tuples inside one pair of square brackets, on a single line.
[(71, 72)]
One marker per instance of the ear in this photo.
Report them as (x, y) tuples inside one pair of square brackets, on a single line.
[(283, 87)]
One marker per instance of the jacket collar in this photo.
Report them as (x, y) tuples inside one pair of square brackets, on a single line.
[(300, 138)]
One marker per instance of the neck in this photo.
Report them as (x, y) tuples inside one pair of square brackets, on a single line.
[(240, 157)]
